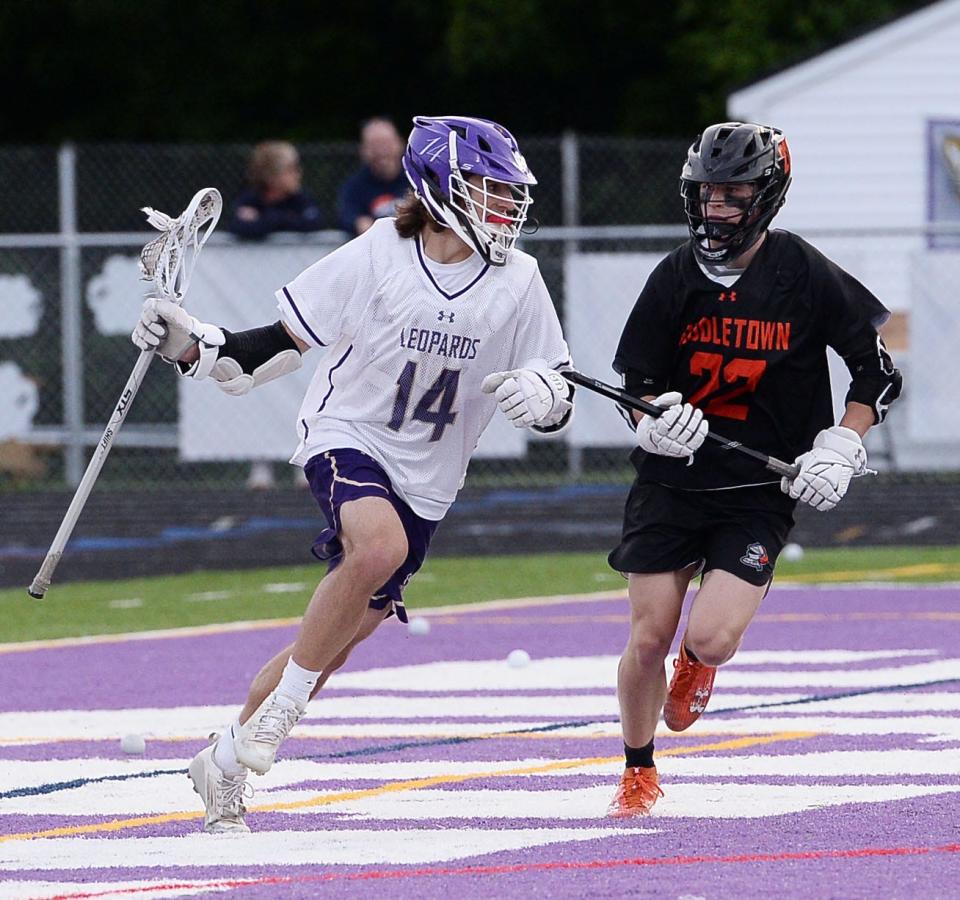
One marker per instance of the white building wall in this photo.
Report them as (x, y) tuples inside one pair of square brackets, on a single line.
[(856, 119)]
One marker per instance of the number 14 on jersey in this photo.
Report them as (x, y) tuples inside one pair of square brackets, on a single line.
[(435, 407)]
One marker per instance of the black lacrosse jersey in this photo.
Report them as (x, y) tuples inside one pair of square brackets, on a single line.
[(752, 356)]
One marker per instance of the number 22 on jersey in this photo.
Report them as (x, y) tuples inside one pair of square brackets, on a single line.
[(718, 404), (441, 394)]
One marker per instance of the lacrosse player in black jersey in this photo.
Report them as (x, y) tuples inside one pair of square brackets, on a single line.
[(731, 329)]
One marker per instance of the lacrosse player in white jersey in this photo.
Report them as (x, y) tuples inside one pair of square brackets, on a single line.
[(430, 321)]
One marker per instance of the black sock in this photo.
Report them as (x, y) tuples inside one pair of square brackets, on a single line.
[(639, 757), (690, 654)]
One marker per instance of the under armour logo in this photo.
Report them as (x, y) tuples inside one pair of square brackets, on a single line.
[(444, 316), (732, 296)]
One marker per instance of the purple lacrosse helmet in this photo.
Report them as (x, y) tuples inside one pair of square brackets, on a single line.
[(442, 152)]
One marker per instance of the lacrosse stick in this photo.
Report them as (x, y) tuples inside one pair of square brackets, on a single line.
[(790, 470), (168, 262)]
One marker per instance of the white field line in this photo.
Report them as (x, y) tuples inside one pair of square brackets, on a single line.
[(113, 890), (164, 793), (573, 800), (420, 846)]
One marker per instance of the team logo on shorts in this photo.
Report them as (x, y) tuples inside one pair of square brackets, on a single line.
[(755, 557)]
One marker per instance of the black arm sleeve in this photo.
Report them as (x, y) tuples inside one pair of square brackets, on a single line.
[(875, 381), (254, 347)]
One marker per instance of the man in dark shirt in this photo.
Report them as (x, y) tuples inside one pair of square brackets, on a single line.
[(372, 192), (731, 328), (275, 200)]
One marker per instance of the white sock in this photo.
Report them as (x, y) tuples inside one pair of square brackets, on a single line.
[(297, 683), (224, 755)]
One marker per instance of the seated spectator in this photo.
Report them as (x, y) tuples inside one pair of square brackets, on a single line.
[(275, 200), (372, 192)]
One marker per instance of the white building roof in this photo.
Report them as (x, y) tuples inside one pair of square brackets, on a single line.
[(886, 41)]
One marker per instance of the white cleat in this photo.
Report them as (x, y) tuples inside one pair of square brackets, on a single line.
[(256, 741), (222, 795)]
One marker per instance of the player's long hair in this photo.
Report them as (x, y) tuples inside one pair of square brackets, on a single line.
[(413, 217)]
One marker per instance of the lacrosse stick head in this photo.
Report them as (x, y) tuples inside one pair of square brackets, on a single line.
[(168, 259)]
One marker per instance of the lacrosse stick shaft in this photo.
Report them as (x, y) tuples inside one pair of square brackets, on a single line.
[(38, 587), (773, 464), (167, 261)]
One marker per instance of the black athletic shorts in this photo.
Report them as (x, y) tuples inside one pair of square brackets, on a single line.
[(740, 531)]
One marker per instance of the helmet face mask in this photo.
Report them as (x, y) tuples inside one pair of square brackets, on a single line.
[(723, 219), (471, 177), (494, 211)]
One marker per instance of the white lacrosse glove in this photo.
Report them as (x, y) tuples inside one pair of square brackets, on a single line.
[(171, 331), (533, 395), (678, 432), (825, 471)]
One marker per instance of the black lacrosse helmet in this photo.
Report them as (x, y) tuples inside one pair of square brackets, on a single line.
[(739, 153)]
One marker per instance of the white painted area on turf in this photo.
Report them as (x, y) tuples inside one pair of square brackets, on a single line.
[(575, 673), (737, 800), (842, 679), (551, 708), (288, 848), (872, 704), (128, 603), (382, 730), (711, 800), (170, 793), (207, 596), (942, 727), (838, 763), (108, 890), (818, 657), (286, 587), (584, 672), (697, 799)]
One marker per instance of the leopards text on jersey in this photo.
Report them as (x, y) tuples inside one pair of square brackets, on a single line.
[(400, 378), (752, 355)]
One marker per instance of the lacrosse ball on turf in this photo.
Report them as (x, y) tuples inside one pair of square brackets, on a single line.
[(419, 626), (792, 552), (518, 659), (133, 744)]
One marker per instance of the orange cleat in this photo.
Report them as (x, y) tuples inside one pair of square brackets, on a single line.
[(689, 691), (639, 789)]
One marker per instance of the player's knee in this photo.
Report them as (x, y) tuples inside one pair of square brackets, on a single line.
[(376, 562), (648, 646), (714, 648)]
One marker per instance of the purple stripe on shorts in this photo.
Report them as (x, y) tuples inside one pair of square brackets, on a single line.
[(340, 362), (343, 475), (303, 321)]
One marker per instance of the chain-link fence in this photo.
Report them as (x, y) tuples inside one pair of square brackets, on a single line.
[(70, 230)]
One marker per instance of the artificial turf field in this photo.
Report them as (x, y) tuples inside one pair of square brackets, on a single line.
[(825, 765), (198, 598)]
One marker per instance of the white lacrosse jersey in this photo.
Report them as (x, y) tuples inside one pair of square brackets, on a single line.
[(406, 352)]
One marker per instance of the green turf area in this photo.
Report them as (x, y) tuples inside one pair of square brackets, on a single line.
[(199, 598)]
